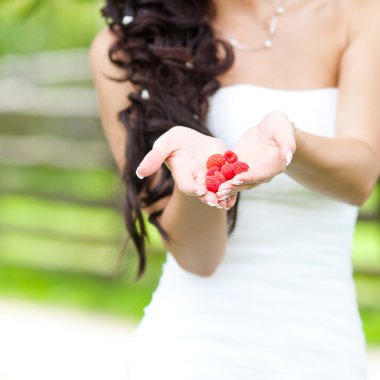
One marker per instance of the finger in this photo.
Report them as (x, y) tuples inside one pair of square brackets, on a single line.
[(243, 181), (232, 201), (152, 162), (224, 198), (261, 174), (188, 183), (228, 203), (286, 142), (224, 193), (222, 204), (248, 186), (201, 190), (211, 200), (223, 201), (207, 197)]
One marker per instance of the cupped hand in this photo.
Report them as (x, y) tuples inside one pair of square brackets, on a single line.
[(184, 151), (267, 148)]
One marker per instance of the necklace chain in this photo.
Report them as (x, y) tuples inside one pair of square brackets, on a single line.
[(272, 29)]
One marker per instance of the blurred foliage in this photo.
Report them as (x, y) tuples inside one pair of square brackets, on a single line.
[(83, 237), (366, 253), (37, 25), (95, 184)]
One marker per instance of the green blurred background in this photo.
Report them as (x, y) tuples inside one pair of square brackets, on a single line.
[(61, 227)]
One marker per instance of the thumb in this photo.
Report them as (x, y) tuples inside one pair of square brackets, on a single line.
[(187, 183), (152, 162), (199, 177), (286, 143)]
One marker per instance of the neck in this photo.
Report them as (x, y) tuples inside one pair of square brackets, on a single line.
[(238, 11), (236, 22), (248, 7)]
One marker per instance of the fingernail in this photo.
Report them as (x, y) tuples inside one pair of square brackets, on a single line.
[(289, 157), (237, 182), (227, 208), (224, 198), (211, 204), (139, 175), (223, 192), (199, 193)]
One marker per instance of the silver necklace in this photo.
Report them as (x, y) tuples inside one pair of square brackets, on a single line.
[(272, 29)]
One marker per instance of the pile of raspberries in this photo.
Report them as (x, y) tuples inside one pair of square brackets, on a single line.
[(222, 168)]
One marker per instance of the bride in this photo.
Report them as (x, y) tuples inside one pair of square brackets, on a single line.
[(257, 282)]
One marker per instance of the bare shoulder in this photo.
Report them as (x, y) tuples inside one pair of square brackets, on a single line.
[(99, 53), (363, 16), (112, 95), (102, 40)]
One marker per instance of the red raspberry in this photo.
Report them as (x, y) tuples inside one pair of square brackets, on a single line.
[(230, 156), (240, 167), (228, 171), (214, 181), (212, 170), (215, 160)]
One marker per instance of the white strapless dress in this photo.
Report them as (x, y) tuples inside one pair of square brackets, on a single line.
[(282, 304)]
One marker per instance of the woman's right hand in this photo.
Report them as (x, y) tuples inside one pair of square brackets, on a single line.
[(184, 151)]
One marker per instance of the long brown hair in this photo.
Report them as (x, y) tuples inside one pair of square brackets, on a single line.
[(171, 55)]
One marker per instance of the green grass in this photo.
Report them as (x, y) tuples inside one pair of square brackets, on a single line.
[(120, 296), (368, 290)]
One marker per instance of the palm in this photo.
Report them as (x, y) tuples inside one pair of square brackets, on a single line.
[(258, 149), (265, 148), (184, 151), (190, 151)]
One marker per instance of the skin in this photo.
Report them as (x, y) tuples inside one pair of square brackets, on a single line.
[(319, 44)]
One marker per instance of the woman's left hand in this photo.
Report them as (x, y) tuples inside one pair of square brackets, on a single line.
[(267, 148)]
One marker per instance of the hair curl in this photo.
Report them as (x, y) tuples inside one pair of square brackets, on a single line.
[(169, 50)]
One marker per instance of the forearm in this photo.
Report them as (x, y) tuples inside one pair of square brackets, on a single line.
[(197, 233), (345, 169)]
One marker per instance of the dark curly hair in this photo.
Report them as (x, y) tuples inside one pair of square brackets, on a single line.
[(171, 56)]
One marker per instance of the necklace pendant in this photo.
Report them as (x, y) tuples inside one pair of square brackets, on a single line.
[(273, 25), (280, 10), (234, 42), (268, 43)]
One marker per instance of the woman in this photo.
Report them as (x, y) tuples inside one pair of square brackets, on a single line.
[(262, 289)]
